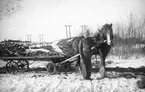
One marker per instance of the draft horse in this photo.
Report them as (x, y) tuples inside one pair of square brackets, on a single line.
[(106, 36), (100, 44)]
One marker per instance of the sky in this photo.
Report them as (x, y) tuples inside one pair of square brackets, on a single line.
[(19, 18)]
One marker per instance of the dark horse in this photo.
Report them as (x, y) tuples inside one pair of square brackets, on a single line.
[(100, 44)]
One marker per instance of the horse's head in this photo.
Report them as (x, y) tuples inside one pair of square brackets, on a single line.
[(106, 33)]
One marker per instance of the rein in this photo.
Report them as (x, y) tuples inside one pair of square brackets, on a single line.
[(99, 42)]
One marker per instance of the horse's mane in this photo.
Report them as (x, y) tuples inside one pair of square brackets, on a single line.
[(98, 34)]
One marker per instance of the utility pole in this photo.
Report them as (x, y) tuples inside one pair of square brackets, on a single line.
[(29, 37), (29, 40), (68, 31), (83, 28), (41, 39)]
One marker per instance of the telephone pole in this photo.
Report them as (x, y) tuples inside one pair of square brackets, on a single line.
[(41, 38), (29, 37), (68, 30), (83, 28)]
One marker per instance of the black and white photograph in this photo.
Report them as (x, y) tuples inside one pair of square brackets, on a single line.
[(72, 45)]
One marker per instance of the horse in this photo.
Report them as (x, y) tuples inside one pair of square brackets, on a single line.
[(100, 44), (106, 36)]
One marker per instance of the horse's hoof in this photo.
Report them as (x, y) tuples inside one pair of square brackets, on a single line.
[(102, 72)]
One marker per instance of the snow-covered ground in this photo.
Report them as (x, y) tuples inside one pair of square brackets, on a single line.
[(72, 82), (42, 82), (35, 50), (128, 63)]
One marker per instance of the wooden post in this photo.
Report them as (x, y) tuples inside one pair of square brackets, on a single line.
[(82, 29), (70, 59), (66, 31), (69, 31)]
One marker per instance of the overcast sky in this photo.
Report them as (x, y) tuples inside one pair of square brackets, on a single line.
[(48, 17)]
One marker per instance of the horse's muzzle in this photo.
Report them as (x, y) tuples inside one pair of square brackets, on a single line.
[(109, 43)]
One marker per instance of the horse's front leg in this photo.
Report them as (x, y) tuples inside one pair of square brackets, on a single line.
[(102, 64), (96, 60)]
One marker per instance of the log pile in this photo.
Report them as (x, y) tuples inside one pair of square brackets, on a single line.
[(42, 52), (9, 48), (12, 49), (66, 46)]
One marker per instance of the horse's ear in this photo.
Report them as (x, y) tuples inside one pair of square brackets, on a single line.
[(111, 24)]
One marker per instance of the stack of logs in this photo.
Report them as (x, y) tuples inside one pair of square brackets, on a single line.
[(12, 49)]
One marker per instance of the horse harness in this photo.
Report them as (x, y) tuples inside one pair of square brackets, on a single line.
[(98, 42)]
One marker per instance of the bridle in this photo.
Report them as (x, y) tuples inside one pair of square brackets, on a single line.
[(102, 40)]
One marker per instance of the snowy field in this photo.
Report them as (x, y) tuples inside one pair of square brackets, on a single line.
[(117, 80), (41, 82)]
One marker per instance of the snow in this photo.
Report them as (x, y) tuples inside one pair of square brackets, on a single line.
[(125, 63), (35, 50), (41, 82), (40, 64), (70, 40), (2, 63), (56, 47), (129, 63), (73, 82)]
